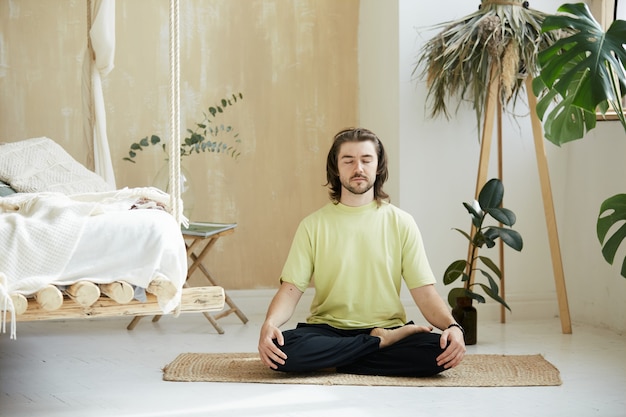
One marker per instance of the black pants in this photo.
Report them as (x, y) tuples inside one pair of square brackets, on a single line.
[(311, 347)]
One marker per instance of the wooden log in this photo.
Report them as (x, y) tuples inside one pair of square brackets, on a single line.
[(84, 293), (49, 298), (120, 291), (196, 299), (162, 288), (20, 303)]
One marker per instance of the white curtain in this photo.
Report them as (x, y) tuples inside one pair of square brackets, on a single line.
[(99, 58)]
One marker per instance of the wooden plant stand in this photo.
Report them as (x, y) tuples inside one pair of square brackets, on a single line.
[(546, 190)]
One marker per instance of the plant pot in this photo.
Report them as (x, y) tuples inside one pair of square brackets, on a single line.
[(466, 315), (187, 192)]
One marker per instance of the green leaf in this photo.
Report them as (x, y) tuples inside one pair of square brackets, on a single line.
[(454, 271), (456, 293), (463, 233), (492, 282), (612, 219), (509, 236), (546, 100), (566, 122), (475, 296), (154, 139), (488, 237), (471, 210), (477, 218), (585, 69), (503, 215), (491, 194), (494, 295), (144, 141), (491, 265)]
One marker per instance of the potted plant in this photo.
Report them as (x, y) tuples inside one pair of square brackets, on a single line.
[(497, 45), (581, 74), (498, 41), (460, 298), (206, 136), (203, 138)]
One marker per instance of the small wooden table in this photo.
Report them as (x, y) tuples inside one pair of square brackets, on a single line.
[(195, 235)]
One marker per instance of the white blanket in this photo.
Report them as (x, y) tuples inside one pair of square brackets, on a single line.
[(51, 238)]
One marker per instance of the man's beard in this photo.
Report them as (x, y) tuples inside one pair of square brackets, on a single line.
[(362, 189)]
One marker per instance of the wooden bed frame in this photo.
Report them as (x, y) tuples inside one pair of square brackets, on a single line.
[(88, 300)]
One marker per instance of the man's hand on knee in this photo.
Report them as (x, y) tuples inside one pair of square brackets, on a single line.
[(269, 341), (454, 344)]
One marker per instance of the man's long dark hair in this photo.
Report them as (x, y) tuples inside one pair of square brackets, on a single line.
[(332, 169)]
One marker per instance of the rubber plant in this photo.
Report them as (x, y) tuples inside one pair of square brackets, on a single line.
[(488, 205), (581, 74), (204, 137)]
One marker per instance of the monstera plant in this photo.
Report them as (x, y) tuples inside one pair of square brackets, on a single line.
[(612, 212), (581, 74)]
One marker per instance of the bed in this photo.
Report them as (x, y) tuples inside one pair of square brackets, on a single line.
[(72, 247)]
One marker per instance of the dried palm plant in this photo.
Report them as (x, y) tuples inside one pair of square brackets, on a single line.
[(501, 38)]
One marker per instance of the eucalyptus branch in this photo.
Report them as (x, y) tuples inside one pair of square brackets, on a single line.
[(204, 137)]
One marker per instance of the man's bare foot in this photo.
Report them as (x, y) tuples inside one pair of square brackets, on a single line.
[(389, 337)]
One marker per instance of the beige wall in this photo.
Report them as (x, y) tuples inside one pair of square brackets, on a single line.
[(294, 61), (379, 108)]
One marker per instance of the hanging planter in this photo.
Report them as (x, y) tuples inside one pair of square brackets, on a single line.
[(500, 40)]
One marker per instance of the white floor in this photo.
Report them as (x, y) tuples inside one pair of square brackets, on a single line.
[(97, 368)]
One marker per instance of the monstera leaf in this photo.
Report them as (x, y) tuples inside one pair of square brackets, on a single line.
[(612, 220), (584, 72)]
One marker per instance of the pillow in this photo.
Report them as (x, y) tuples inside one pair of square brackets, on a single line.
[(40, 164), (5, 189)]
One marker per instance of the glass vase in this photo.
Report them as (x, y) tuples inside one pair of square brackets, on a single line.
[(187, 192), (466, 315)]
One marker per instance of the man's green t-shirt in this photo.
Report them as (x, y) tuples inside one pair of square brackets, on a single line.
[(356, 258)]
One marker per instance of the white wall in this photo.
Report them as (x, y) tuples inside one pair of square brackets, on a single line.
[(595, 171), (438, 165)]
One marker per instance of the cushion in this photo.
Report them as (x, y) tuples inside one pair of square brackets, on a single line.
[(5, 189), (40, 164)]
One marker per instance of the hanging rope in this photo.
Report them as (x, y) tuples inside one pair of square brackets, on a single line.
[(174, 149)]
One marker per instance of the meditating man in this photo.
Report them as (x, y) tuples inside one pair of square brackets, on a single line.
[(356, 251)]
